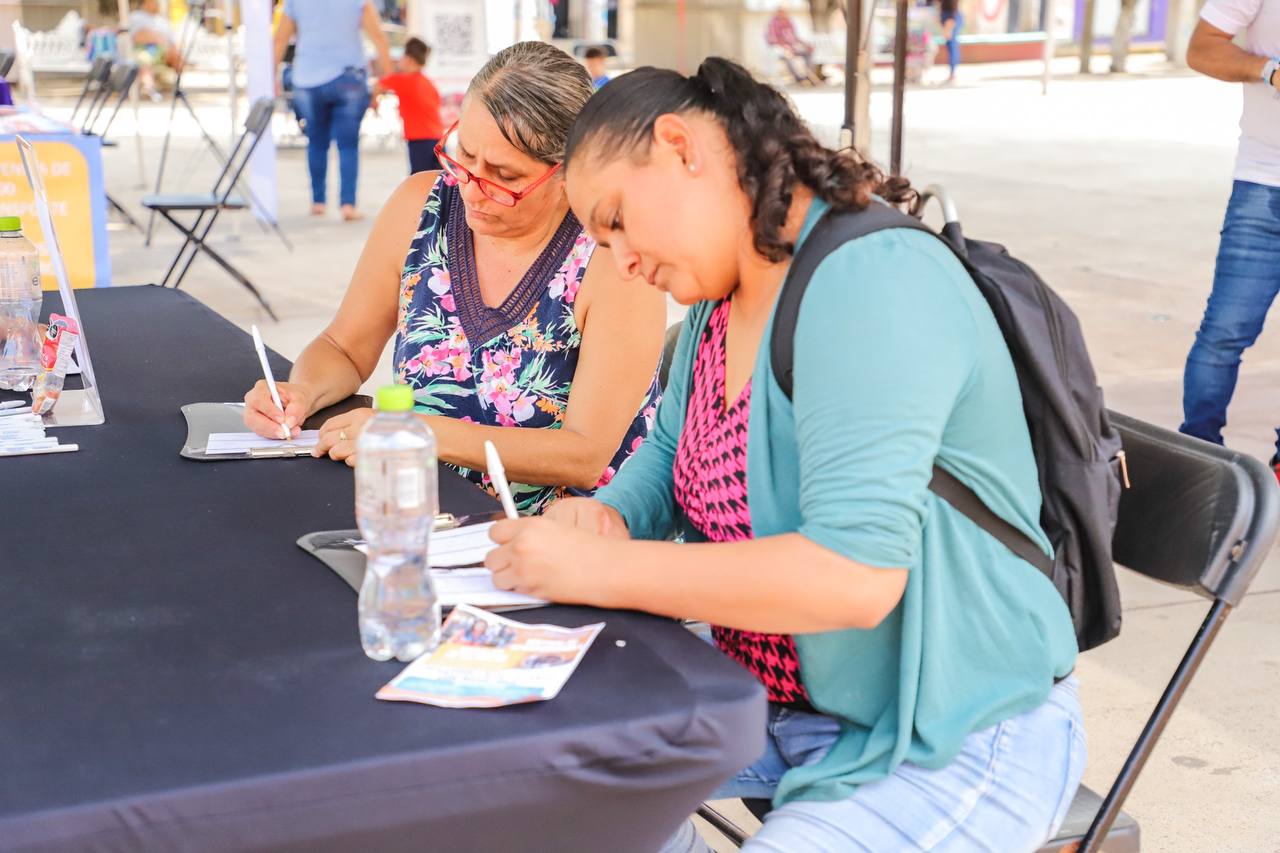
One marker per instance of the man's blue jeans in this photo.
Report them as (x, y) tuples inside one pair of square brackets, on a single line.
[(1245, 283), (333, 111)]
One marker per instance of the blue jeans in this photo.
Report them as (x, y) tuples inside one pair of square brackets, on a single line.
[(333, 111), (953, 43), (1008, 790), (1245, 283)]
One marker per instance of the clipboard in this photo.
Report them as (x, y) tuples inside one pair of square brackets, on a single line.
[(337, 550), (204, 419)]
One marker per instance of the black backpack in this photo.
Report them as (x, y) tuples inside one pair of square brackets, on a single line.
[(1077, 451)]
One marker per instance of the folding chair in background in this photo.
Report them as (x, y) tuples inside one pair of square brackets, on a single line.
[(93, 84), (108, 97), (1198, 517), (208, 207)]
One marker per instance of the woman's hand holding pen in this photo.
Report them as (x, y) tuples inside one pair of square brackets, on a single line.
[(265, 418)]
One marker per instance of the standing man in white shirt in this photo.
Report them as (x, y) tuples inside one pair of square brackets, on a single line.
[(1247, 276)]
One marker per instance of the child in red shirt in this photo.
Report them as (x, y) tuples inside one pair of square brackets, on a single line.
[(419, 105)]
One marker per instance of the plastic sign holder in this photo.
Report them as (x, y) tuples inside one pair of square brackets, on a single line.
[(75, 407)]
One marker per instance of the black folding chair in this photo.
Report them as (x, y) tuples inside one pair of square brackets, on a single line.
[(93, 83), (107, 98), (208, 207), (1197, 517)]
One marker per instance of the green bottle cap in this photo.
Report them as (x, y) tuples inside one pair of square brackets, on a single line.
[(10, 223), (394, 398)]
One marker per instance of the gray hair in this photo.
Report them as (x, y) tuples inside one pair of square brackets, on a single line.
[(534, 91)]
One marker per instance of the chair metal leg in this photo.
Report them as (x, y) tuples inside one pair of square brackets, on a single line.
[(197, 240), (181, 251), (120, 209), (238, 276), (1110, 808), (723, 825)]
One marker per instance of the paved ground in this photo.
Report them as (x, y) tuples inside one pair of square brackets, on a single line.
[(1114, 190)]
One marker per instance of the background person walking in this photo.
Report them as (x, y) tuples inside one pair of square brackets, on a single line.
[(1247, 274), (331, 85)]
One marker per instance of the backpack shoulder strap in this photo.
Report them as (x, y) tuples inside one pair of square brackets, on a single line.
[(833, 230)]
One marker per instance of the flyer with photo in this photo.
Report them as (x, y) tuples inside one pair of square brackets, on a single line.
[(486, 661)]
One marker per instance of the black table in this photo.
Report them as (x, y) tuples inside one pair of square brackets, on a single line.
[(176, 674)]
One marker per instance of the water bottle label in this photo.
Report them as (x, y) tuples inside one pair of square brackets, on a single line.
[(410, 488)]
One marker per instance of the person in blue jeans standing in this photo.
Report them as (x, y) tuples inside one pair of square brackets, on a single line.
[(952, 21), (331, 85), (1247, 275)]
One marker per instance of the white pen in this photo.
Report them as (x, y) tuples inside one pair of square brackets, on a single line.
[(22, 425), (22, 435), (11, 404), (61, 448), (6, 446), (498, 475), (266, 371), (12, 412)]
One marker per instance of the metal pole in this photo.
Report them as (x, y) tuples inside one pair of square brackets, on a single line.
[(124, 51), (899, 86), (681, 23), (852, 55), (233, 86), (1050, 45)]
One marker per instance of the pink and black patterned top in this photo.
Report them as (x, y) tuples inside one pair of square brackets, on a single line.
[(711, 489)]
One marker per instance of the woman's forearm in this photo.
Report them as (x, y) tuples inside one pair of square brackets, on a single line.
[(327, 373), (780, 584), (537, 457)]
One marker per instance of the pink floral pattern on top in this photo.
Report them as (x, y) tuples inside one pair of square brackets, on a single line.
[(510, 366), (710, 477)]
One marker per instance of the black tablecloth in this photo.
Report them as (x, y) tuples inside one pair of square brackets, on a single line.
[(176, 674)]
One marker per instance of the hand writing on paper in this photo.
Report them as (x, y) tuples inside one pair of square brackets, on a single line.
[(262, 416), (550, 560), (339, 433)]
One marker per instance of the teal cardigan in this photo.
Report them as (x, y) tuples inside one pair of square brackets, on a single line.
[(898, 362)]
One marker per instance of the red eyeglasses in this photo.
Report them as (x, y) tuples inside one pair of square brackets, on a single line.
[(496, 192)]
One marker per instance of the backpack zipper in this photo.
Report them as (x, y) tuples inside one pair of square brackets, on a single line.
[(1124, 468), (1081, 435)]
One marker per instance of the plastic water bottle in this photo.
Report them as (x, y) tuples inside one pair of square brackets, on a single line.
[(20, 301), (395, 508)]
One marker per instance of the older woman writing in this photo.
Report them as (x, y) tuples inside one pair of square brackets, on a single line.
[(510, 323)]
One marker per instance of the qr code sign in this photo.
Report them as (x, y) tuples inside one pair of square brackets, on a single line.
[(454, 34)]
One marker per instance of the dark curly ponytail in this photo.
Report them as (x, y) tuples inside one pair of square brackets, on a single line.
[(775, 149)]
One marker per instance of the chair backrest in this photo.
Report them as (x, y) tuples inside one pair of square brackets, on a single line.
[(255, 126), (1197, 516), (109, 98), (93, 82), (7, 58)]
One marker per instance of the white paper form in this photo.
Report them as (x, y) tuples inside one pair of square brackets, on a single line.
[(475, 587), (450, 549), (466, 546), (240, 443)]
